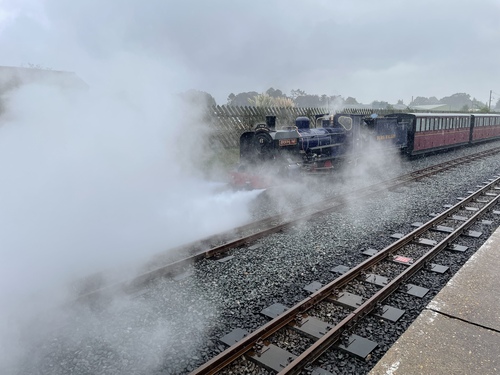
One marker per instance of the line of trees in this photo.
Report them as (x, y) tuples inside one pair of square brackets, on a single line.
[(277, 98), (299, 98)]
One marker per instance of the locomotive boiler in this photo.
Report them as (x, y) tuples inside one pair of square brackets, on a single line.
[(318, 147), (332, 141)]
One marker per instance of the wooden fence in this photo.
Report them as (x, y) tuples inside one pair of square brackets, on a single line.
[(229, 122)]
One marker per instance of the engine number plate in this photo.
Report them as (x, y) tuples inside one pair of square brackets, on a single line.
[(288, 142)]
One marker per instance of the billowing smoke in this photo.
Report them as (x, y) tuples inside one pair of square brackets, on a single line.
[(98, 178)]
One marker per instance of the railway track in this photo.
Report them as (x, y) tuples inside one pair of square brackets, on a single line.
[(386, 271), (173, 325), (221, 243)]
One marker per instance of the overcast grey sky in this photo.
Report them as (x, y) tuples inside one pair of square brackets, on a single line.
[(370, 50)]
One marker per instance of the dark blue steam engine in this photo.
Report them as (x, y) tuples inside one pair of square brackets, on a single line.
[(322, 148)]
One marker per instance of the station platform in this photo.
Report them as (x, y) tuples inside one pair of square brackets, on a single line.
[(459, 331)]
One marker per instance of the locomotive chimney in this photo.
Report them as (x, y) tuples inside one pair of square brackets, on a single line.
[(271, 122)]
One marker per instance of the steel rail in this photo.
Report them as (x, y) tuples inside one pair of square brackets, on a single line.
[(245, 344), (318, 209), (332, 336)]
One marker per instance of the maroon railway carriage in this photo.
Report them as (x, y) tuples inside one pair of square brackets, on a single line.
[(486, 126), (435, 131), (428, 132)]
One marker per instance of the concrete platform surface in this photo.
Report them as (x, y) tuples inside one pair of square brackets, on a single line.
[(459, 331)]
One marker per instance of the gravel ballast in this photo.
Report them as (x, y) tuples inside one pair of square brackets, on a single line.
[(173, 326)]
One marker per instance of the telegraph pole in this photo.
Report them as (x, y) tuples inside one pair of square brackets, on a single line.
[(489, 106)]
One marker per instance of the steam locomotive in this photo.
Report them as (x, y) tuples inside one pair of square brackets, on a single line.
[(336, 140)]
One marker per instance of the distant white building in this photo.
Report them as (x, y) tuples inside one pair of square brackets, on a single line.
[(432, 107), (12, 77)]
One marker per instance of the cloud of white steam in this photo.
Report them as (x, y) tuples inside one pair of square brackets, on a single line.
[(99, 178), (96, 179)]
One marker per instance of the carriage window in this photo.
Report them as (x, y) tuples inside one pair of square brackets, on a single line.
[(418, 124)]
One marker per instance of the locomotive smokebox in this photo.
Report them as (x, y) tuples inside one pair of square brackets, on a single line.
[(271, 122)]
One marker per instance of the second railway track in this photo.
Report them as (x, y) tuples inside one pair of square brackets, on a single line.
[(174, 325), (408, 255), (221, 243)]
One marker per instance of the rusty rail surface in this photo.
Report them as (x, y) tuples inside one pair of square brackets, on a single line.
[(198, 250), (333, 335)]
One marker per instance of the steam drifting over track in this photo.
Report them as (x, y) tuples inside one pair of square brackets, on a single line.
[(179, 322)]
